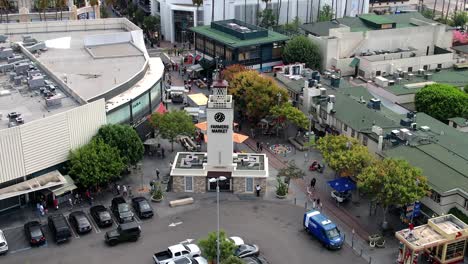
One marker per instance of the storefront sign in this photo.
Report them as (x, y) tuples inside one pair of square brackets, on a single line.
[(219, 128)]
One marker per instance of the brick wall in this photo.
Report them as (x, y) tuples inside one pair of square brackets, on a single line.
[(199, 184), (178, 184), (238, 184)]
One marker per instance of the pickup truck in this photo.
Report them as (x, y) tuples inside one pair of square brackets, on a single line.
[(176, 252)]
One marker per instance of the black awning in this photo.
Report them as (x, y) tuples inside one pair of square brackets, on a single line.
[(216, 174)]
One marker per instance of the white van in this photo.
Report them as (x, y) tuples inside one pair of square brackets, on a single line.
[(3, 243)]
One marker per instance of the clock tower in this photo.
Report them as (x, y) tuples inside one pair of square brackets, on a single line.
[(220, 118)]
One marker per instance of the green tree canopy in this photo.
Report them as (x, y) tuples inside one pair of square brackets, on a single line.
[(393, 182), (151, 24), (459, 19), (233, 260), (344, 155), (256, 94), (287, 112), (442, 101), (326, 13), (291, 171), (172, 124), (95, 163), (125, 139), (301, 49), (229, 72), (139, 16), (267, 18), (208, 246)]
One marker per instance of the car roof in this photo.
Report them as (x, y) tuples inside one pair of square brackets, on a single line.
[(77, 213), (129, 225), (177, 248), (237, 240)]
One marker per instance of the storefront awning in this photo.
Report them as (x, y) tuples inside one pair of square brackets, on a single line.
[(45, 181), (342, 184), (354, 62), (195, 68), (67, 187)]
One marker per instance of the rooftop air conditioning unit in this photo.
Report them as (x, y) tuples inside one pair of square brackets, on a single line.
[(425, 128), (403, 133), (331, 98), (323, 92)]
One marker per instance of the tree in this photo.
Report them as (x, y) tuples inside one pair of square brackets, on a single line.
[(152, 24), (326, 13), (344, 155), (198, 3), (42, 5), (442, 101), (94, 3), (95, 163), (172, 124), (60, 4), (267, 18), (208, 246), (427, 13), (4, 8), (301, 49), (291, 171), (233, 260), (286, 113), (139, 16), (256, 94), (293, 27), (110, 2), (393, 182), (104, 12), (459, 19), (230, 71), (465, 88), (125, 139)]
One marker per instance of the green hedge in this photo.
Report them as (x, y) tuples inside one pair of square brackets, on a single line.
[(459, 214)]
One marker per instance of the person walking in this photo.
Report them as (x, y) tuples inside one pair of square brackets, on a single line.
[(118, 189), (258, 146), (162, 153), (124, 190), (70, 203), (319, 204), (314, 204), (261, 146), (41, 209), (157, 174), (130, 194), (312, 183), (258, 189)]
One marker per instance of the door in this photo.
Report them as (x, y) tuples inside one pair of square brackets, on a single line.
[(249, 185), (188, 183)]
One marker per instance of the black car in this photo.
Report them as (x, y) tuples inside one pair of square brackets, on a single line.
[(121, 210), (101, 215), (34, 233), (59, 227), (246, 250), (254, 260), (125, 232), (142, 207), (80, 222)]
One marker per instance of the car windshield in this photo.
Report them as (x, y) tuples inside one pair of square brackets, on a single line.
[(83, 222), (333, 233), (145, 206), (241, 249), (183, 261), (36, 232), (2, 244), (123, 207), (104, 215)]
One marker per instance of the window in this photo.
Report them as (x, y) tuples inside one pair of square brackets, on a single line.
[(209, 48), (353, 133), (364, 140), (345, 127), (276, 53), (377, 73), (439, 65), (455, 250), (188, 183), (220, 50), (249, 185), (228, 54), (410, 69), (435, 196), (199, 42), (249, 53)]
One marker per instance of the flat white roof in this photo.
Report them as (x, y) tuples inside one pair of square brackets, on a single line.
[(87, 76)]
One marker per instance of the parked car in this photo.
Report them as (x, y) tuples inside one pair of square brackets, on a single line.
[(3, 243), (101, 215), (176, 251), (246, 250), (59, 228), (34, 233), (189, 260), (236, 240), (80, 222), (254, 260), (142, 207), (130, 231), (121, 210)]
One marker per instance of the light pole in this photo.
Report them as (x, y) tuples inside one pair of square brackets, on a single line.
[(277, 123), (220, 178)]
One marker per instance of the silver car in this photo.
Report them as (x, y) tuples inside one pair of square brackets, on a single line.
[(3, 243)]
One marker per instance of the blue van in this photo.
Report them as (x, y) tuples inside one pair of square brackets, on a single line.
[(323, 229)]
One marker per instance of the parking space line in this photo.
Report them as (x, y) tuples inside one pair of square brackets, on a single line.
[(94, 224), (19, 250), (75, 234)]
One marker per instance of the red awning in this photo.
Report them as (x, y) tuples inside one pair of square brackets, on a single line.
[(161, 109)]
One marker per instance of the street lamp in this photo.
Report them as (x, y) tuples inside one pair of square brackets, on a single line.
[(277, 123), (220, 178)]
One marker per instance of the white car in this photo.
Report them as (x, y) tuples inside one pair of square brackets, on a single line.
[(189, 260), (3, 243), (175, 252), (237, 240)]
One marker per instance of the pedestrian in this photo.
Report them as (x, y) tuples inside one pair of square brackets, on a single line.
[(124, 190), (157, 174), (152, 185), (258, 145), (162, 152), (252, 132), (312, 183), (258, 189), (118, 189), (170, 164), (70, 202), (41, 209), (319, 204), (56, 203), (261, 146), (130, 191), (314, 204)]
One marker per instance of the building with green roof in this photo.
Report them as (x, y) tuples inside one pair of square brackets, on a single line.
[(236, 42), (373, 45)]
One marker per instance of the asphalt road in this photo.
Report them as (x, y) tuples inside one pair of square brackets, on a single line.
[(275, 228)]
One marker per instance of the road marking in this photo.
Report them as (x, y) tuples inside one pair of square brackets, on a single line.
[(75, 234), (175, 224), (10, 228), (19, 250), (95, 226), (187, 241)]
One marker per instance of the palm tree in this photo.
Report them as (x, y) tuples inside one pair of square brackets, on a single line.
[(94, 3), (43, 4), (443, 8), (433, 11), (278, 10), (448, 9), (60, 4), (212, 10), (198, 3), (287, 13), (318, 11), (346, 8), (456, 6)]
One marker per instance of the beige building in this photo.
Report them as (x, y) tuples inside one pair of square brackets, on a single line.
[(191, 171)]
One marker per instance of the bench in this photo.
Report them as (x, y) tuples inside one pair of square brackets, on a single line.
[(180, 202)]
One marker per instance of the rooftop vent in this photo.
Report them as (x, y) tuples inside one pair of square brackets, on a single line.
[(425, 128)]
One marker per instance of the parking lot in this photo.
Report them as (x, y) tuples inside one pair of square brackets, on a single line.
[(275, 228)]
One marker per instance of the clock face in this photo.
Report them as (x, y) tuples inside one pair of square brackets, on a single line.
[(219, 117)]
